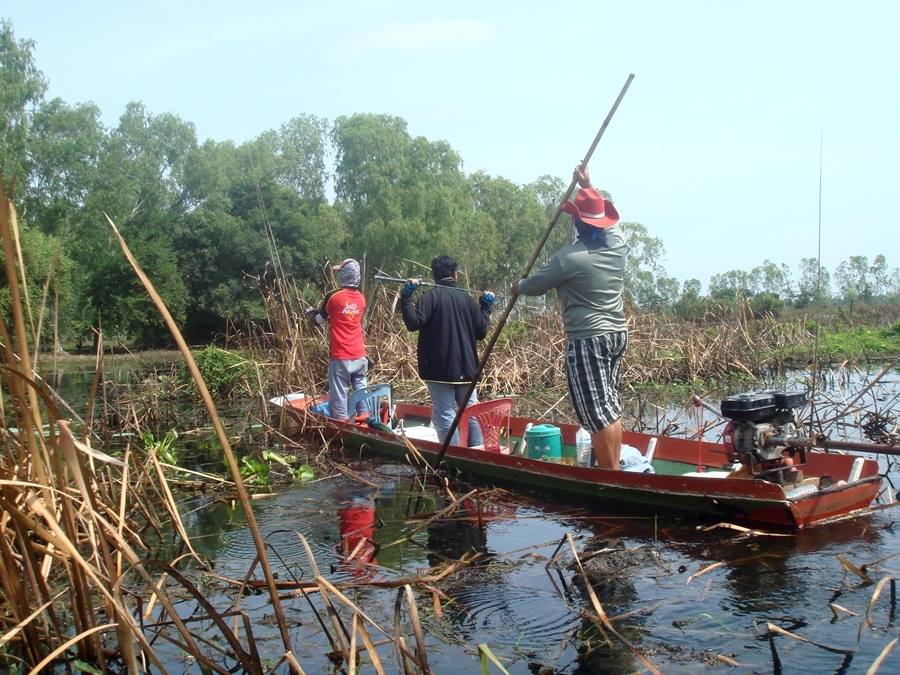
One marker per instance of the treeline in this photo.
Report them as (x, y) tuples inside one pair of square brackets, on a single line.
[(770, 288), (213, 222)]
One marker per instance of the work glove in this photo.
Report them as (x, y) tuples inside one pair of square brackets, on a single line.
[(487, 301), (313, 317), (409, 288)]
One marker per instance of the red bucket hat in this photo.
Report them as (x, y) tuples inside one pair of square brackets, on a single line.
[(590, 208)]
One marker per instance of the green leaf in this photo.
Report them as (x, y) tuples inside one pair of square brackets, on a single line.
[(304, 473), (272, 456), (84, 667)]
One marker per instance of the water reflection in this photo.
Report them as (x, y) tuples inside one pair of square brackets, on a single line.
[(356, 518), (462, 534), (508, 601)]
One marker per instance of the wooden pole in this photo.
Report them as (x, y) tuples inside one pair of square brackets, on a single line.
[(534, 256)]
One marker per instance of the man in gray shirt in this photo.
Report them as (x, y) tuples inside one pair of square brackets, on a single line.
[(588, 276)]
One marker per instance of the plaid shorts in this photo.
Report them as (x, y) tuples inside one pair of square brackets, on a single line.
[(592, 373)]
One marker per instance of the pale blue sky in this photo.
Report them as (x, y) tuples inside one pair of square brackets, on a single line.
[(715, 147)]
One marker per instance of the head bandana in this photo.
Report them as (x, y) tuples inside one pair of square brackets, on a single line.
[(348, 276)]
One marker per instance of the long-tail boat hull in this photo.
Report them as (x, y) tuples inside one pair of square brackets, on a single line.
[(690, 475)]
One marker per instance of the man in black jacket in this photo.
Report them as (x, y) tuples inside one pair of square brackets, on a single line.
[(449, 322)]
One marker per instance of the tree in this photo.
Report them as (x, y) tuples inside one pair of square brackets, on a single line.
[(646, 282), (65, 147), (548, 191), (22, 88), (733, 284), (766, 304), (301, 151), (513, 222), (894, 288), (814, 284), (44, 261), (879, 275), (140, 183), (854, 280), (690, 305), (116, 301), (250, 206), (774, 279), (404, 197)]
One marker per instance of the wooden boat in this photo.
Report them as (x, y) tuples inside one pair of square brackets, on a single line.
[(690, 477)]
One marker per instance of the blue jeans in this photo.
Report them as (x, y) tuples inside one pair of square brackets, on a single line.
[(445, 399), (344, 375)]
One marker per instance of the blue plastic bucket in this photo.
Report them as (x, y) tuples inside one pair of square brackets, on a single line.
[(544, 440)]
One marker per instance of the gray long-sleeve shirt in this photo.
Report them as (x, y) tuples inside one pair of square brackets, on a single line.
[(589, 283)]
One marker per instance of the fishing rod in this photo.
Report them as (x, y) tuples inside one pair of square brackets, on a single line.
[(534, 256), (474, 291), (398, 280)]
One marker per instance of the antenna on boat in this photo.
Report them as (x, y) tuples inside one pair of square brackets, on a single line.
[(816, 362)]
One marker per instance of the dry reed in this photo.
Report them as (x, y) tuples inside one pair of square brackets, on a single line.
[(528, 360)]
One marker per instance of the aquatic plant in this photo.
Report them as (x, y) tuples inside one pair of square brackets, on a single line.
[(255, 471), (164, 448), (226, 374), (259, 471)]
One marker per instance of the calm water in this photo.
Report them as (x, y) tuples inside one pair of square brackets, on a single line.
[(531, 615)]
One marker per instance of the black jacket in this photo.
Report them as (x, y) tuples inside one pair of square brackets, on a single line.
[(449, 321)]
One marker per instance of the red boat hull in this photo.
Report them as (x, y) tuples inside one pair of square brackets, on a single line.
[(745, 500)]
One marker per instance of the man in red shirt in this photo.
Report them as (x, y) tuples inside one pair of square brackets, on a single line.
[(344, 309)]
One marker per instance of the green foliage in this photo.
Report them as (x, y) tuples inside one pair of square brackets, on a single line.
[(863, 341), (690, 306), (404, 197), (303, 473), (216, 224), (225, 373), (255, 471), (164, 448), (508, 221), (85, 667), (766, 304), (514, 331), (260, 471), (859, 281), (22, 88), (42, 256), (814, 285), (646, 282)]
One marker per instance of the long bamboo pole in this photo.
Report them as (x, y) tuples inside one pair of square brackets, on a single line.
[(534, 256)]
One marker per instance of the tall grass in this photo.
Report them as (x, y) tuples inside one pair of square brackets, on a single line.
[(76, 565), (80, 586)]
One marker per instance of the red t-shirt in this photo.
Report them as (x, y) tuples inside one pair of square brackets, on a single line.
[(345, 309)]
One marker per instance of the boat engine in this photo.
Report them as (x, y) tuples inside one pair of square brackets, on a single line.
[(759, 424)]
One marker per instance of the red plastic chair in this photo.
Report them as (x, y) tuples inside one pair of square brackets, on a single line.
[(492, 416)]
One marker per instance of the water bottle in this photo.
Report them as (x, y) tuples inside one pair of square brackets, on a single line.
[(583, 447)]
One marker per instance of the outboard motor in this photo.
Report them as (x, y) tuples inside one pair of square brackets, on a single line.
[(759, 424)]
